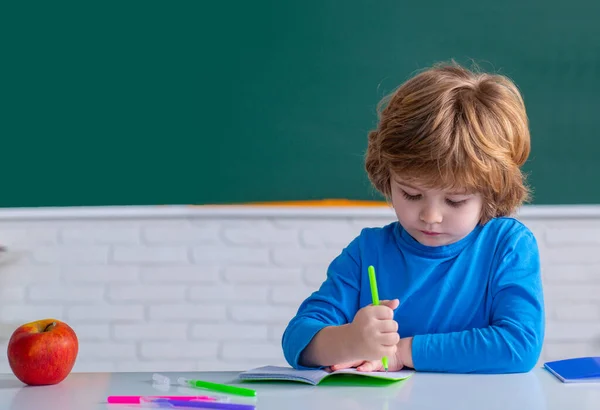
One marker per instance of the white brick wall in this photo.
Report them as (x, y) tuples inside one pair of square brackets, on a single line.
[(197, 289)]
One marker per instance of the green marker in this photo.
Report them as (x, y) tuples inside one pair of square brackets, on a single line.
[(223, 388), (375, 297)]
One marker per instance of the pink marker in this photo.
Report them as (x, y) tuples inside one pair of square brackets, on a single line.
[(136, 399)]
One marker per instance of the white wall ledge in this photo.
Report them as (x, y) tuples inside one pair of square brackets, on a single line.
[(248, 211)]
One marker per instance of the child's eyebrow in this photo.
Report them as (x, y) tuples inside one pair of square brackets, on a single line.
[(407, 185), (460, 193)]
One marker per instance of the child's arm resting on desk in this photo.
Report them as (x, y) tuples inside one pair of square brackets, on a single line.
[(334, 304), (513, 341)]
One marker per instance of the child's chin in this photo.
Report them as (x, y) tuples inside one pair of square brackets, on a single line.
[(434, 241)]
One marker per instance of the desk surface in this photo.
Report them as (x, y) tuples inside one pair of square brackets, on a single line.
[(536, 390)]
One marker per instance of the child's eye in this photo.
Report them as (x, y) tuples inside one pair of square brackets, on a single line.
[(411, 197), (455, 204)]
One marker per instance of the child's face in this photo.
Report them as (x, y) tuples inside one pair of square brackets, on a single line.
[(435, 217)]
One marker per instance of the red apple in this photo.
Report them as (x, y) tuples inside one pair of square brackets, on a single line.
[(42, 352)]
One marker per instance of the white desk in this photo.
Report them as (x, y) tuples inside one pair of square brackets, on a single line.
[(536, 390)]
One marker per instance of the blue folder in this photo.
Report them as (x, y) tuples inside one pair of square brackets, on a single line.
[(576, 370)]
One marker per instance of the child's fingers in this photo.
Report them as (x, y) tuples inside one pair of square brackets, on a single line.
[(370, 366), (382, 313), (389, 326), (390, 339), (347, 365)]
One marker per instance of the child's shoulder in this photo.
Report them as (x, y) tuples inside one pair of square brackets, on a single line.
[(507, 223), (508, 229), (378, 235), (383, 231)]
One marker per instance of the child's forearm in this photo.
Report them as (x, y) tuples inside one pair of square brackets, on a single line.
[(329, 346), (493, 349)]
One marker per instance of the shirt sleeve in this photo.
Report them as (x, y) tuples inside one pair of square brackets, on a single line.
[(512, 343), (334, 303)]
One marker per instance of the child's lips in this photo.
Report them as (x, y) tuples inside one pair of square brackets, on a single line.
[(429, 233)]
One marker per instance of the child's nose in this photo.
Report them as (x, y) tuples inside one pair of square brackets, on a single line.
[(431, 215)]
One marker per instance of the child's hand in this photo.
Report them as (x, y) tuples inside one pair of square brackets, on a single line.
[(374, 332), (402, 358), (371, 365)]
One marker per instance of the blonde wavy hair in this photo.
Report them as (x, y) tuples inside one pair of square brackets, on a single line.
[(452, 128)]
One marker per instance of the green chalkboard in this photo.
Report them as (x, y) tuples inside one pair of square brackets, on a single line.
[(195, 102)]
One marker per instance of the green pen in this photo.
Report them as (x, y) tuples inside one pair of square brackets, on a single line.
[(223, 388), (375, 297)]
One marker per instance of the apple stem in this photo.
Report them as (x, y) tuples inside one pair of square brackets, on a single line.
[(50, 326)]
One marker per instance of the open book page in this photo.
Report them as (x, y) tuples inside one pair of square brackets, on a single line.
[(399, 375), (314, 376)]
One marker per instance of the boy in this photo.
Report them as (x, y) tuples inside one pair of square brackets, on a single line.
[(460, 280)]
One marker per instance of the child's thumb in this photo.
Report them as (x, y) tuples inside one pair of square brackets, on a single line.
[(392, 304)]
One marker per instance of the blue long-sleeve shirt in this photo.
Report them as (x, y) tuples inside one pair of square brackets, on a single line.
[(473, 306)]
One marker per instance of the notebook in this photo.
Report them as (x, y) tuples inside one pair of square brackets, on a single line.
[(316, 376), (576, 370)]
